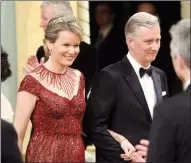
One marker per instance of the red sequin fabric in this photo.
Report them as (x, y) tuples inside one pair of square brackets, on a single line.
[(56, 119)]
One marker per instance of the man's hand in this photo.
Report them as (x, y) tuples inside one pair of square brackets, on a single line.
[(139, 158), (32, 63), (129, 150), (142, 148)]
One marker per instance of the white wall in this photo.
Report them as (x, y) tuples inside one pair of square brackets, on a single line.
[(185, 9), (8, 41)]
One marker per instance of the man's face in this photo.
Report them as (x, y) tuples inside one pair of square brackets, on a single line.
[(46, 15), (103, 14), (146, 44)]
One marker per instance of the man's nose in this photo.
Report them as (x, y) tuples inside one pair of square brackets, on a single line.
[(72, 50), (42, 23)]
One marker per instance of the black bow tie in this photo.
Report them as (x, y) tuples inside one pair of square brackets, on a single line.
[(142, 71)]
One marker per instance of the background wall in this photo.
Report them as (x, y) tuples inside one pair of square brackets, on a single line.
[(29, 34), (9, 43), (185, 9)]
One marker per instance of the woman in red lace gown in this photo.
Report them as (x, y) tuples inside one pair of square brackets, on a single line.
[(52, 96)]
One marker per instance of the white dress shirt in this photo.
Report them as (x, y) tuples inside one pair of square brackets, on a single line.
[(146, 83), (106, 30)]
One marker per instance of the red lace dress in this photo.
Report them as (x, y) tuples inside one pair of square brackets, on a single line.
[(57, 116)]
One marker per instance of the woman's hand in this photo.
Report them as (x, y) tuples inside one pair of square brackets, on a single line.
[(32, 63), (129, 150)]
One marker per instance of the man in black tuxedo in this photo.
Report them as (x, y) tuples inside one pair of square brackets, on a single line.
[(86, 62), (9, 148), (123, 96), (170, 138)]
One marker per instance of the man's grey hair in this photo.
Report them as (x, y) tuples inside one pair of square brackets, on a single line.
[(180, 43), (140, 19), (61, 8)]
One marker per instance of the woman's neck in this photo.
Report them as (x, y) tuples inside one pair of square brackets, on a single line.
[(55, 67)]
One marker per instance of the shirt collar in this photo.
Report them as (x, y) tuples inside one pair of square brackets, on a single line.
[(186, 84), (106, 31), (135, 64)]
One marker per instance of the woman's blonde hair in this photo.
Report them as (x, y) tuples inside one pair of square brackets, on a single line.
[(59, 24)]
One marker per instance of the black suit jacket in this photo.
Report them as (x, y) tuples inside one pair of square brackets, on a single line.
[(86, 62), (117, 102), (170, 138), (9, 149)]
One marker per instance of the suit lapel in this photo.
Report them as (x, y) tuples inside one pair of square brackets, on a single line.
[(133, 82), (157, 85)]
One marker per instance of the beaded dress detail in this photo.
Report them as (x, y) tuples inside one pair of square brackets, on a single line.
[(57, 115)]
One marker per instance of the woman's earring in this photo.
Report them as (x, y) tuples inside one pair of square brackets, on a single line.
[(50, 51)]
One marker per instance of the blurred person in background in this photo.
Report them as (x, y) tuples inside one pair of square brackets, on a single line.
[(6, 108), (147, 7), (9, 148), (109, 40)]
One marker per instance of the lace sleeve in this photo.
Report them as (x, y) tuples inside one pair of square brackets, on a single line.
[(30, 85)]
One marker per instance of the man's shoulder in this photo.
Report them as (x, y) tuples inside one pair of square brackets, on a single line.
[(86, 47), (40, 49), (177, 107), (4, 123), (109, 73), (113, 69), (6, 128), (40, 53), (88, 53), (84, 44)]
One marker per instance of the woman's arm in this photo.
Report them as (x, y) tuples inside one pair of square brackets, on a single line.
[(25, 105), (127, 147), (119, 138)]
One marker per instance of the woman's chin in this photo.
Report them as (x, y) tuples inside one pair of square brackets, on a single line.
[(68, 63)]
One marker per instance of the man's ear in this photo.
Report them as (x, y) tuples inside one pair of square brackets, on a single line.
[(129, 42), (181, 61)]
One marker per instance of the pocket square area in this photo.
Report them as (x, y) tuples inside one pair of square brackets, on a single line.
[(163, 93)]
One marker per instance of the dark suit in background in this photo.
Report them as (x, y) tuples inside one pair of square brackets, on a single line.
[(170, 138), (86, 62), (117, 102), (112, 49), (9, 148)]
